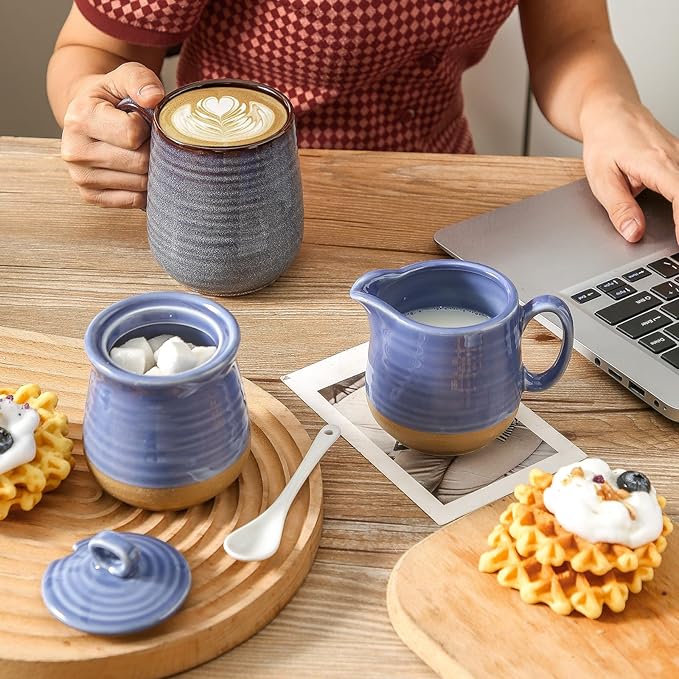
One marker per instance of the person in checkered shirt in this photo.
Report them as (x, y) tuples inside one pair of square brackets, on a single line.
[(361, 74)]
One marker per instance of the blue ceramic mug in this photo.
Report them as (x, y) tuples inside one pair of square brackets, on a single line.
[(165, 442), (224, 220), (450, 390)]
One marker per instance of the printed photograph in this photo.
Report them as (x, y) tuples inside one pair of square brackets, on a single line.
[(445, 488), (447, 478)]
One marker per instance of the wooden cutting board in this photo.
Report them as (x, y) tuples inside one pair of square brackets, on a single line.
[(462, 623), (229, 601)]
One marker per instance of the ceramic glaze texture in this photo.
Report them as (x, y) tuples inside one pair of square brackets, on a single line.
[(92, 591), (449, 380), (168, 432), (224, 221)]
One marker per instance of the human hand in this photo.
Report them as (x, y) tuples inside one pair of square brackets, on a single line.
[(625, 149), (107, 150)]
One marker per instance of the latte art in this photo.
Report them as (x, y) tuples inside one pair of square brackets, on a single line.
[(223, 120), (222, 116)]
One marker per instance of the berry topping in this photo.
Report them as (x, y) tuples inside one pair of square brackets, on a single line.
[(598, 479), (634, 481), (6, 440)]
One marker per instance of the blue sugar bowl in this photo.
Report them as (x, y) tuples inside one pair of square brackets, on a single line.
[(165, 442), (116, 583)]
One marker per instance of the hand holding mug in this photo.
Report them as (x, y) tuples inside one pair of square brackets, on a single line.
[(105, 149)]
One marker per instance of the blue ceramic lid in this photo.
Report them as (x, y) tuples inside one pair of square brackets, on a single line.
[(116, 583)]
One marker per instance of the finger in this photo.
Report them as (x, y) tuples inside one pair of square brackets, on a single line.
[(101, 120), (660, 173), (93, 153), (612, 190), (95, 178), (114, 198), (136, 81), (635, 186)]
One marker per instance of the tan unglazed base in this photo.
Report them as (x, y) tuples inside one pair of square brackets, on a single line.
[(162, 499), (441, 444)]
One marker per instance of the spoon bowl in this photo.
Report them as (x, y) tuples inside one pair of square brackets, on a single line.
[(260, 538)]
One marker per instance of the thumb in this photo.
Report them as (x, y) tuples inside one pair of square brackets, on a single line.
[(613, 191), (138, 82)]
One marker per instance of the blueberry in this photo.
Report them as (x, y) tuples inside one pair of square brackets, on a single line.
[(599, 479), (633, 481), (6, 440)]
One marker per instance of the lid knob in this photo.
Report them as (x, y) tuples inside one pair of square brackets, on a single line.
[(114, 553)]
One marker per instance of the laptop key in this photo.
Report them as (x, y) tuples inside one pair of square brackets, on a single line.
[(672, 357), (672, 308), (675, 256), (624, 291), (657, 342), (611, 285), (636, 275), (667, 290), (673, 330), (642, 325), (586, 295), (665, 267), (628, 307)]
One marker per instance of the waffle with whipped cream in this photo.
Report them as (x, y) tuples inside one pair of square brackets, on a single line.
[(563, 589), (35, 452), (580, 539)]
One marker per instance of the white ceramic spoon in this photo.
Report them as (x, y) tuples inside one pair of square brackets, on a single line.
[(259, 539)]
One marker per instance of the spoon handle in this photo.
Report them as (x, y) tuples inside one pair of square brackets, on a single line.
[(324, 439)]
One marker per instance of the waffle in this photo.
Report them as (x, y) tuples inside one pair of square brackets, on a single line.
[(538, 534), (560, 587), (24, 485)]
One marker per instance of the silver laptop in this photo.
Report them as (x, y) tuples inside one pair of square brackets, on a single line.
[(624, 297)]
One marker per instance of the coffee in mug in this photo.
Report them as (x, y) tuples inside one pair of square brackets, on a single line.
[(222, 116), (224, 206)]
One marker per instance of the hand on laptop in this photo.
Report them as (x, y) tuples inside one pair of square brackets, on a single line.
[(625, 149)]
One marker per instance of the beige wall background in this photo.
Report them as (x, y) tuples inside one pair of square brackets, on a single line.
[(29, 29)]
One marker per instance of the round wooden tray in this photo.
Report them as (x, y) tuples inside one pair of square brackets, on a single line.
[(229, 600)]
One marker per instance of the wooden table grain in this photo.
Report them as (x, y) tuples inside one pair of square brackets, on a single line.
[(62, 261)]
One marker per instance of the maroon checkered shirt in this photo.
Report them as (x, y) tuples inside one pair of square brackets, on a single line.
[(361, 74)]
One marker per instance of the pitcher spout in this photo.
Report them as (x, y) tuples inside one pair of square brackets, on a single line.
[(366, 291)]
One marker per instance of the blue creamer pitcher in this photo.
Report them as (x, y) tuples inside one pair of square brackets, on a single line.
[(444, 373)]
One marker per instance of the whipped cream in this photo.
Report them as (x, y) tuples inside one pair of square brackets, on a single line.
[(18, 421), (585, 507)]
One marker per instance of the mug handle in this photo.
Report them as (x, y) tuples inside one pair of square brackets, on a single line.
[(129, 105), (541, 305)]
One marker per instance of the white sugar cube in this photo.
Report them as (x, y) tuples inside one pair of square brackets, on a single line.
[(203, 354), (174, 356), (141, 343), (158, 341), (130, 359), (155, 371)]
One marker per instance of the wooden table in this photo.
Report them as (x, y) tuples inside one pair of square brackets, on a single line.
[(62, 261)]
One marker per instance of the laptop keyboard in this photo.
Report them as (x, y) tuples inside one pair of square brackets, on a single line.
[(644, 306)]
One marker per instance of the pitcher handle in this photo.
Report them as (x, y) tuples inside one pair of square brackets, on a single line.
[(129, 105), (541, 305)]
